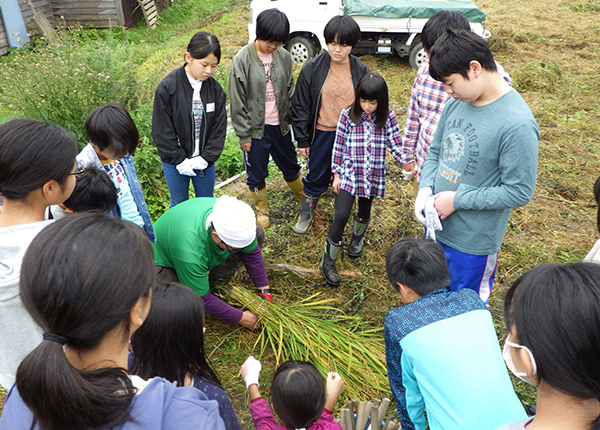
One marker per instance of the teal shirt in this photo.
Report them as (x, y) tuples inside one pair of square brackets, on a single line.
[(488, 155), (183, 243)]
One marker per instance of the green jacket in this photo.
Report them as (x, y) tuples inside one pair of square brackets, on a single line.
[(247, 88)]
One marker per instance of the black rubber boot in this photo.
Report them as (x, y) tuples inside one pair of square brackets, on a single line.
[(330, 254), (358, 231), (307, 212)]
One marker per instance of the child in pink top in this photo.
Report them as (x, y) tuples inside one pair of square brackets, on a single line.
[(297, 396)]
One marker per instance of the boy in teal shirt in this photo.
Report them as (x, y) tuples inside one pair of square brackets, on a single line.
[(482, 161)]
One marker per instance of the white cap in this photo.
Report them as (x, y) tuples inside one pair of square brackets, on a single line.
[(234, 222)]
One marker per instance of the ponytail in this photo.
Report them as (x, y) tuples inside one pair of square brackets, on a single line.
[(57, 393), (80, 279)]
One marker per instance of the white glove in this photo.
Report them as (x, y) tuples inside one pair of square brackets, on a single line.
[(422, 196), (186, 168), (407, 176), (432, 219), (199, 163), (251, 371)]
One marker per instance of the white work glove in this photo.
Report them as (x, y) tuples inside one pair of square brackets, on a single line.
[(251, 371), (186, 168), (432, 219), (420, 201), (407, 176), (199, 163)]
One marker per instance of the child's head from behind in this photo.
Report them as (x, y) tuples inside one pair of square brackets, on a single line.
[(456, 51), (111, 131), (170, 344), (371, 97), (87, 279), (437, 25), (298, 394), (272, 25), (94, 190), (33, 153), (554, 311), (342, 30), (419, 264)]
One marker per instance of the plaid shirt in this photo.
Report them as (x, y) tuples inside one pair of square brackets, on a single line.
[(427, 101), (359, 153)]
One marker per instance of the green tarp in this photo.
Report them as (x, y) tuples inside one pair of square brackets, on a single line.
[(412, 8)]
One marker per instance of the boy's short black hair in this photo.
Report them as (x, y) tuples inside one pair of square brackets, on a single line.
[(94, 190), (437, 25), (272, 25), (342, 29), (420, 264), (454, 51), (111, 128)]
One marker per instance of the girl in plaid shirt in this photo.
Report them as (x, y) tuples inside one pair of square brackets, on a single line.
[(358, 164)]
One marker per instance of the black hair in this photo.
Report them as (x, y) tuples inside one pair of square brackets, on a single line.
[(555, 311), (597, 197), (94, 190), (454, 51), (420, 264), (170, 344), (371, 87), (202, 44), (343, 30), (80, 279), (436, 26), (32, 153), (111, 128), (298, 394), (272, 25)]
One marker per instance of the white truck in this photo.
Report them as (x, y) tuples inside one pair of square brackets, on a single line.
[(387, 26)]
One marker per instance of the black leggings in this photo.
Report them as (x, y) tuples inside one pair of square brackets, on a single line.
[(343, 209)]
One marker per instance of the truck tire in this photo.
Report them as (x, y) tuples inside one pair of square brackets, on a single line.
[(417, 56), (301, 49)]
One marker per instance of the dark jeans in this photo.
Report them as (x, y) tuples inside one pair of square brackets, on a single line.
[(318, 178), (343, 210), (256, 161), (179, 185)]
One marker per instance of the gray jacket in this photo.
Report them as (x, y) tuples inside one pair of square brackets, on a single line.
[(247, 88)]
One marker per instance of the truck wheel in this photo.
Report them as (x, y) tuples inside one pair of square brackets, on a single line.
[(417, 56), (301, 49)]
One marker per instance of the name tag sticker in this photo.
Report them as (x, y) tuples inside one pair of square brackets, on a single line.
[(210, 107)]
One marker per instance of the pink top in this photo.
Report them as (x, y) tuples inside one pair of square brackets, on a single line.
[(271, 111), (264, 420)]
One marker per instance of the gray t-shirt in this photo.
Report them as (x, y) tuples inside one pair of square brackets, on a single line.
[(19, 334), (488, 155)]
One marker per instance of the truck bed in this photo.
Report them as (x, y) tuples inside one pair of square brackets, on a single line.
[(412, 8)]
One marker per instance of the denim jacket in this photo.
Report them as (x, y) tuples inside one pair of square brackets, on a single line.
[(88, 156)]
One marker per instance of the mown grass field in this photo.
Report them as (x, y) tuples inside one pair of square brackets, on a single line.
[(551, 50)]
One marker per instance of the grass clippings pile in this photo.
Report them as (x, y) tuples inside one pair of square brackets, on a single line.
[(312, 329)]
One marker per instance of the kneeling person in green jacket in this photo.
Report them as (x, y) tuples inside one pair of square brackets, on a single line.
[(201, 243)]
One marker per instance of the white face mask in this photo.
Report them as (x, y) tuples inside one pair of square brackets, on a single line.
[(509, 362)]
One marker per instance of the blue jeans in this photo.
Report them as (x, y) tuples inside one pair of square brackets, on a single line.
[(318, 178), (179, 185)]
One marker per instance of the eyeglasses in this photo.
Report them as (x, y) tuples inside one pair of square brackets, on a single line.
[(274, 45), (79, 171)]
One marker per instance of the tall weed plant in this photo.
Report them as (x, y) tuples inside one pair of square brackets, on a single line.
[(63, 82)]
